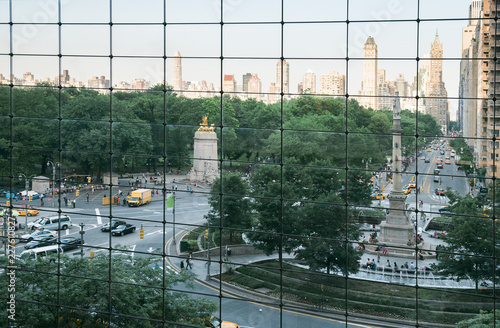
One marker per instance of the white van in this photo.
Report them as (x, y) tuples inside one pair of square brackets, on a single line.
[(40, 251), (53, 223)]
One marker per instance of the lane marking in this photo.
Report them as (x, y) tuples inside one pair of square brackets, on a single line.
[(98, 214)]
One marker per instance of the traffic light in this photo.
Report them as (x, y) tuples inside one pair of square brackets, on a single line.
[(383, 187), (141, 234), (206, 233), (30, 198), (7, 203), (89, 179), (92, 254), (451, 177), (413, 179), (77, 193), (372, 179)]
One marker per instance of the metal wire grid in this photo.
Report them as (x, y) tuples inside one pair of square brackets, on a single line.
[(222, 58)]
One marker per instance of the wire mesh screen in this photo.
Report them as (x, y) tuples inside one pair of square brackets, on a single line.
[(248, 163)]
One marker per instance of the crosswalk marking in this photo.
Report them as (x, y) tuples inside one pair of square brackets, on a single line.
[(98, 213)]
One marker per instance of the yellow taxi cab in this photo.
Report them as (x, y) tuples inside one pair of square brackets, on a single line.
[(31, 212), (447, 157), (429, 150), (215, 322), (379, 196), (406, 190), (439, 161), (447, 162), (412, 185)]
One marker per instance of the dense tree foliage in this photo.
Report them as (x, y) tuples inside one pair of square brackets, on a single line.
[(471, 242), (136, 296), (138, 128), (228, 208)]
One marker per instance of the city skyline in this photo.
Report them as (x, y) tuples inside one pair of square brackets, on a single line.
[(258, 41)]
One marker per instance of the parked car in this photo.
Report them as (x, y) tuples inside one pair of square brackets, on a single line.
[(123, 230), (439, 192), (41, 241), (68, 243), (114, 224), (37, 233)]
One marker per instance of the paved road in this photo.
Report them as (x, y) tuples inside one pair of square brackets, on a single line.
[(189, 211)]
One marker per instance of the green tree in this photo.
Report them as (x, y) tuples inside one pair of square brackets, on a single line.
[(484, 320), (230, 210), (136, 295), (331, 229), (470, 243)]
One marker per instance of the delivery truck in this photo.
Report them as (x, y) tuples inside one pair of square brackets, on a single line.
[(139, 197)]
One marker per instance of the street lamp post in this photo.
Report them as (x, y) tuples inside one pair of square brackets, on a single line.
[(173, 213), (49, 163), (26, 197), (82, 232), (366, 161)]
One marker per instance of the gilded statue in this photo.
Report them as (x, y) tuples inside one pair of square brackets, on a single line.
[(204, 125), (205, 120)]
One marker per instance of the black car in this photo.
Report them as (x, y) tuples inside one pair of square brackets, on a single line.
[(41, 241), (440, 166), (123, 230), (439, 192), (68, 243), (114, 224)]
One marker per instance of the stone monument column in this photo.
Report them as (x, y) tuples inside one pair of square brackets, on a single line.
[(205, 161), (397, 228)]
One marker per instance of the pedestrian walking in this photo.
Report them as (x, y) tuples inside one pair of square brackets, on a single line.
[(182, 264), (74, 203), (88, 197), (189, 262)]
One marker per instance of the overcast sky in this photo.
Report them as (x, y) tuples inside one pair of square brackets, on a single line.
[(320, 46)]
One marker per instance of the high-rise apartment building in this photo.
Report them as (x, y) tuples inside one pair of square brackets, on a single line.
[(385, 91), (479, 84), (283, 68), (98, 83), (246, 78), (436, 103), (332, 83), (369, 87), (475, 11), (229, 84), (254, 87), (177, 73), (309, 82)]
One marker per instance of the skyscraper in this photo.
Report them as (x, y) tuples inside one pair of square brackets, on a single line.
[(286, 76), (246, 78), (254, 87), (369, 86), (177, 73), (309, 82), (436, 103), (332, 83), (229, 84)]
